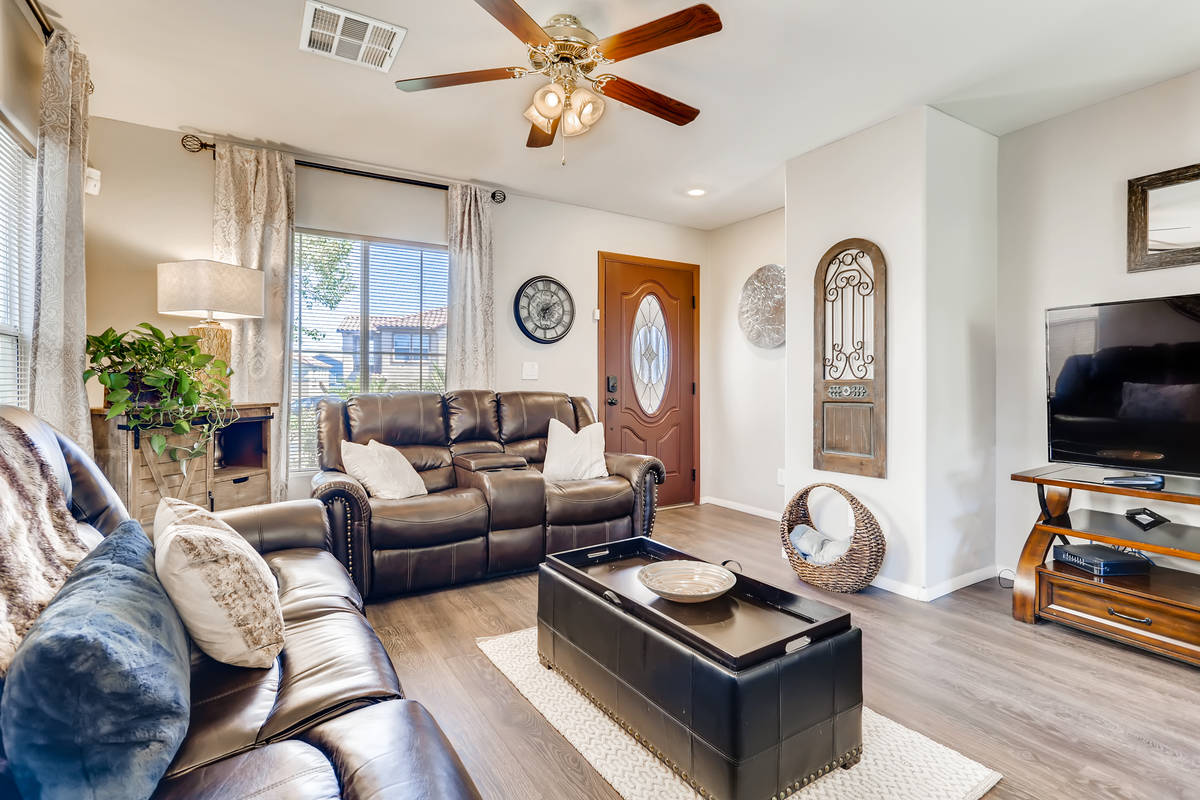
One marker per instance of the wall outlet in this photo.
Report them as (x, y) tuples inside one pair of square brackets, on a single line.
[(91, 181), (529, 370), (596, 314), (780, 477)]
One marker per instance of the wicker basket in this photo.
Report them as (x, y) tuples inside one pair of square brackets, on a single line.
[(857, 567)]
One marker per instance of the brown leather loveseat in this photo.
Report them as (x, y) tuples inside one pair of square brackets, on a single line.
[(328, 719), (488, 512)]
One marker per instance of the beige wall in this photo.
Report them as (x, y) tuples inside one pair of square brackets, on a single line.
[(20, 69), (539, 237), (741, 395), (156, 205)]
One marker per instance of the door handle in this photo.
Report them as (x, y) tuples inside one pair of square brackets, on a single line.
[(612, 401)]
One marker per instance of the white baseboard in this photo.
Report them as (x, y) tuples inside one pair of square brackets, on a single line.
[(745, 509), (958, 582), (928, 593)]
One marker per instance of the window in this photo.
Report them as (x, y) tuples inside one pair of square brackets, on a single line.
[(360, 302), (409, 346), (17, 201)]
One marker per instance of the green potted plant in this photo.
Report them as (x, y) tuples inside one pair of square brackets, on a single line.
[(160, 381)]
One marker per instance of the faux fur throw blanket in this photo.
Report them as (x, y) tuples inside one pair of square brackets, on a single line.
[(39, 545)]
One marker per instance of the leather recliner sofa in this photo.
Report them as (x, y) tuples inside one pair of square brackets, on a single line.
[(489, 511), (328, 719)]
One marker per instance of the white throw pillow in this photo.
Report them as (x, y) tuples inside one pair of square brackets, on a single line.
[(224, 592), (574, 456), (382, 470), (406, 481)]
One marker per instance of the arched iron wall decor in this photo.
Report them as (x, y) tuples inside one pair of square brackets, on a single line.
[(850, 364), (762, 305)]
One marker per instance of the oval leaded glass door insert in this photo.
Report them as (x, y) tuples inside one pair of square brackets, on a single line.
[(649, 354)]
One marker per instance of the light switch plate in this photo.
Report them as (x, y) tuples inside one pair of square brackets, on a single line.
[(780, 478), (529, 370), (596, 314)]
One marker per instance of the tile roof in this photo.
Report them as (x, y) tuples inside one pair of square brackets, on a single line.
[(433, 319)]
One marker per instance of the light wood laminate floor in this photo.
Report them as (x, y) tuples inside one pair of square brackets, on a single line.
[(1060, 714)]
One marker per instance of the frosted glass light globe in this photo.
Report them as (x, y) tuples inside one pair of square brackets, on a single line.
[(550, 100), (589, 105)]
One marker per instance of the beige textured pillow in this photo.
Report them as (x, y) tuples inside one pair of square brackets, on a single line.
[(223, 590)]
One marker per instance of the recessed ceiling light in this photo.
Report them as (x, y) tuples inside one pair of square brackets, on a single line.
[(697, 192)]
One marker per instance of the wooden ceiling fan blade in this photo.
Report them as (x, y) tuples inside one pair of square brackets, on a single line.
[(513, 17), (691, 23), (647, 100), (456, 79), (539, 138)]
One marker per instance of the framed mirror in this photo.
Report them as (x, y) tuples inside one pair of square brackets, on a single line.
[(1164, 219)]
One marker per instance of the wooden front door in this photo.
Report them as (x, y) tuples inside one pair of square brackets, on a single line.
[(648, 366)]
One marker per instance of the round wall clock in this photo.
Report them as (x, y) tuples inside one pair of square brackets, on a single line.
[(544, 309)]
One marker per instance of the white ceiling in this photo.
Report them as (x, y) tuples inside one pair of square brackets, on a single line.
[(783, 77)]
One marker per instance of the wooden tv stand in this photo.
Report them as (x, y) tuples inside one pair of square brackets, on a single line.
[(1158, 611)]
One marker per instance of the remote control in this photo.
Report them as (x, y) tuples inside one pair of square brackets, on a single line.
[(1135, 481)]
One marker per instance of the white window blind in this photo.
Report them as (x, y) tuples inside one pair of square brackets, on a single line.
[(17, 199), (362, 301)]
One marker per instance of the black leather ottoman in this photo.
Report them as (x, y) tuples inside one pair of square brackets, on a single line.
[(758, 731)]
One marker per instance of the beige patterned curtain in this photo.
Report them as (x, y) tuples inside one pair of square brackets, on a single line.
[(470, 325), (57, 357), (254, 210)]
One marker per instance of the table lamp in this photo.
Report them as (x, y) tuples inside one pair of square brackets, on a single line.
[(211, 291)]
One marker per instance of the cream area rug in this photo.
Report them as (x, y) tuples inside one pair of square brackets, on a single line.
[(897, 763)]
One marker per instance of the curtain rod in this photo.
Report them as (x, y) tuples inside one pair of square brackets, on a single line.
[(194, 144), (39, 15)]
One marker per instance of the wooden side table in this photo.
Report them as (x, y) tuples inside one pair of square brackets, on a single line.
[(235, 472)]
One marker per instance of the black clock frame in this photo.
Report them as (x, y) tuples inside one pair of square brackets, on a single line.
[(517, 309)]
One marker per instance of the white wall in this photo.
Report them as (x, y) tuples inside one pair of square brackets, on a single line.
[(1062, 211), (922, 186), (960, 353), (541, 237), (742, 394), (869, 185)]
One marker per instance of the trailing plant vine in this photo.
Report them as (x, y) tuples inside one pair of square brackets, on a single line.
[(160, 382)]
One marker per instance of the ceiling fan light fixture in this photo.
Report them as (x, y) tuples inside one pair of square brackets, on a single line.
[(546, 125), (572, 124), (550, 100), (589, 105)]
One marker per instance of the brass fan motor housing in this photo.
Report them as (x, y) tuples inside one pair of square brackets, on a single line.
[(571, 43)]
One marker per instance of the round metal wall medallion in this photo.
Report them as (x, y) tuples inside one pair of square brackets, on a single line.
[(544, 309), (761, 308)]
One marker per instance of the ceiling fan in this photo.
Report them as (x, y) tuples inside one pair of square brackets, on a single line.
[(567, 53)]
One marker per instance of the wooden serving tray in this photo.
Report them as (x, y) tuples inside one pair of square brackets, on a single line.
[(753, 622)]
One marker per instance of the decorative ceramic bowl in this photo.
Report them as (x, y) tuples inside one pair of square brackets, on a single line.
[(686, 581)]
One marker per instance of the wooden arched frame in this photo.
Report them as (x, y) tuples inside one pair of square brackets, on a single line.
[(850, 370)]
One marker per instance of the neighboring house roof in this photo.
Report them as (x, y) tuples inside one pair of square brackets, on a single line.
[(432, 319), (315, 363)]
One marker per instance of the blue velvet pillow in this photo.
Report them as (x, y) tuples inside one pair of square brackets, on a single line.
[(96, 700)]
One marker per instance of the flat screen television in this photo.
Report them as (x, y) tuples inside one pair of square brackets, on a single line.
[(1123, 385)]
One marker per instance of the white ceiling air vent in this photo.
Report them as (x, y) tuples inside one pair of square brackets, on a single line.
[(349, 36)]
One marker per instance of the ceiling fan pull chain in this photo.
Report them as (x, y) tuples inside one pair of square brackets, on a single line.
[(564, 154)]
